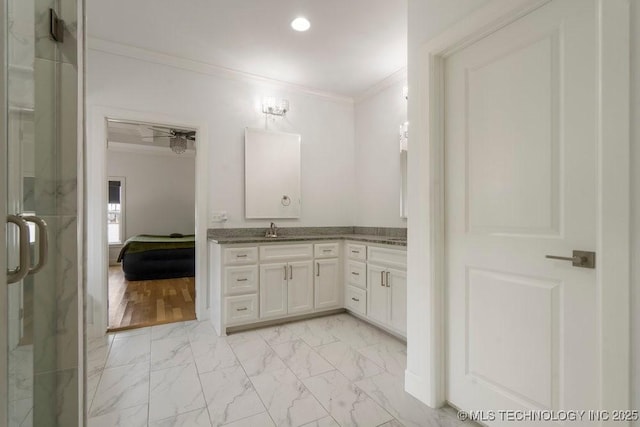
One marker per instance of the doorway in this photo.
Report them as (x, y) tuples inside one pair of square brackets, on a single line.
[(150, 225)]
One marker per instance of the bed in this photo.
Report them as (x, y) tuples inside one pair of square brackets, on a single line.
[(152, 257)]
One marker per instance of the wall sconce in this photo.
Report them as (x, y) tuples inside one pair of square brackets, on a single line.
[(275, 108)]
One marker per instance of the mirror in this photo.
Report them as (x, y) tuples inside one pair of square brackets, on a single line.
[(272, 174), (404, 139)]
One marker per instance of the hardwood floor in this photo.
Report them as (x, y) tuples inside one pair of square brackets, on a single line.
[(149, 302)]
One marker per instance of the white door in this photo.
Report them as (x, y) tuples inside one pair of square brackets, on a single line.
[(520, 151), (327, 285), (377, 294), (300, 290), (397, 282), (273, 290)]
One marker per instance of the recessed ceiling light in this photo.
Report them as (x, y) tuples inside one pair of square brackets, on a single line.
[(300, 24)]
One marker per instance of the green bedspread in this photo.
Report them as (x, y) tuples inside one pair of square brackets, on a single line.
[(149, 242)]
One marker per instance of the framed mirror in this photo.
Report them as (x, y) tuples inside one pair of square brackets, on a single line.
[(272, 174), (404, 139)]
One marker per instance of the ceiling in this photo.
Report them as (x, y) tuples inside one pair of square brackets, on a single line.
[(351, 46)]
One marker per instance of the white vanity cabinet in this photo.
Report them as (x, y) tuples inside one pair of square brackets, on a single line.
[(285, 288), (233, 291), (327, 283), (355, 278), (263, 282), (286, 284), (387, 288)]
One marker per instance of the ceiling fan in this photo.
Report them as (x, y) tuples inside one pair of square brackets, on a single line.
[(178, 139)]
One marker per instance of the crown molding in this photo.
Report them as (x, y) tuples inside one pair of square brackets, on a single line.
[(128, 51), (392, 79)]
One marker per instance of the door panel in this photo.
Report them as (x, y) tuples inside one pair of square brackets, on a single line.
[(300, 287), (273, 290), (398, 296), (520, 176), (327, 285), (377, 294)]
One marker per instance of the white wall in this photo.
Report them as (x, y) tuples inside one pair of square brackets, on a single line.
[(227, 106), (159, 191), (377, 157), (427, 19)]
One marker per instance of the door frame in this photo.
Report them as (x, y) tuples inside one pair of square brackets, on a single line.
[(4, 397), (426, 328), (96, 195)]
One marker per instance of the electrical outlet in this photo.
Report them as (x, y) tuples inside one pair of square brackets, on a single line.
[(220, 216)]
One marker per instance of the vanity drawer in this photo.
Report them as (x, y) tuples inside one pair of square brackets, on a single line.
[(285, 252), (240, 309), (358, 252), (241, 280), (356, 300), (357, 274), (390, 257), (247, 255), (326, 250)]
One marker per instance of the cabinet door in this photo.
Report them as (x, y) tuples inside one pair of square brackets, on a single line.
[(397, 281), (273, 290), (300, 291), (327, 283), (377, 294)]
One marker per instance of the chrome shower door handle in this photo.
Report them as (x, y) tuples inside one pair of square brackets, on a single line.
[(43, 242), (20, 272)]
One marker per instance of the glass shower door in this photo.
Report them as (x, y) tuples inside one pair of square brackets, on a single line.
[(42, 299)]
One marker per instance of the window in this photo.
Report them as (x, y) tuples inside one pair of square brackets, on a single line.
[(115, 211)]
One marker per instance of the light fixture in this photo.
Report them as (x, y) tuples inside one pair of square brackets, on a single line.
[(178, 144), (275, 108), (300, 24)]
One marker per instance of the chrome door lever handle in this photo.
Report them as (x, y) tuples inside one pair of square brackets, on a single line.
[(584, 259)]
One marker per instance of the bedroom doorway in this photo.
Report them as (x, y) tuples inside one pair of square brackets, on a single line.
[(150, 224)]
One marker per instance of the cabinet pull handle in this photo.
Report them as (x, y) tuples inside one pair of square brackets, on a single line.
[(317, 269), (326, 250), (244, 279), (290, 272), (355, 252), (382, 278), (388, 285), (241, 309), (355, 299), (241, 256), (355, 273), (285, 272)]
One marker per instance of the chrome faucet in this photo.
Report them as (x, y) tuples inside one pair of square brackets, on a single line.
[(272, 231)]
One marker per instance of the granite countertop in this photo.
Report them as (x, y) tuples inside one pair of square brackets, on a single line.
[(360, 234), (230, 240)]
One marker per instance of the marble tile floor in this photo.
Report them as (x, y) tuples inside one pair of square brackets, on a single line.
[(330, 371)]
